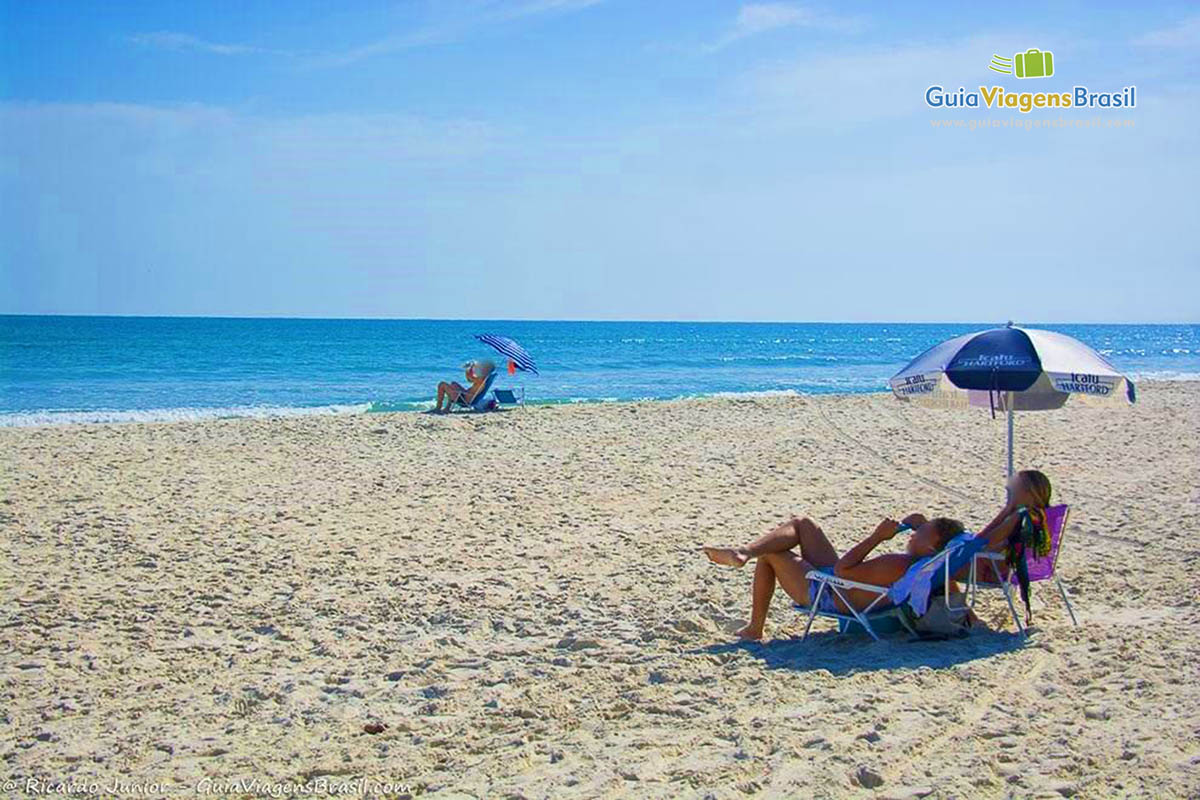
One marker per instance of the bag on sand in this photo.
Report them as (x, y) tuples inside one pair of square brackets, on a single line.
[(941, 621)]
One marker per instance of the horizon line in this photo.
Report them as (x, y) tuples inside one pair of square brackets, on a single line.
[(315, 318)]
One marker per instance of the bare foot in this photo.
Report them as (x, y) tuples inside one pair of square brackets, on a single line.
[(749, 633), (726, 556)]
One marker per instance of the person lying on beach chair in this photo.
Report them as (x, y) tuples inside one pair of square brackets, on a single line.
[(452, 392), (778, 561)]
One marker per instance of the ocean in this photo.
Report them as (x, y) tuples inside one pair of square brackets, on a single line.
[(65, 369)]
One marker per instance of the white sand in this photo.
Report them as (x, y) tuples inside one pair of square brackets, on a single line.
[(519, 598)]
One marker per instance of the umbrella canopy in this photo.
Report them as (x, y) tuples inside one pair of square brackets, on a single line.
[(508, 348), (1010, 368), (1013, 369)]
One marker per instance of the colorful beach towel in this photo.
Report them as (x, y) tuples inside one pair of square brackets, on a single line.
[(1029, 549)]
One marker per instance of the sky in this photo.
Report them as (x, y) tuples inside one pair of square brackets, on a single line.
[(594, 159)]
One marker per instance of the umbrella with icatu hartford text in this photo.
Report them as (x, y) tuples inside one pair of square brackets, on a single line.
[(1011, 369)]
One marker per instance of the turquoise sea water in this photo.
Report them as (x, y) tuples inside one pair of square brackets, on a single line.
[(58, 369)]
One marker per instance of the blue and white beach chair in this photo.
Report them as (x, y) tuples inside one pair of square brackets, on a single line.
[(510, 397), (914, 589)]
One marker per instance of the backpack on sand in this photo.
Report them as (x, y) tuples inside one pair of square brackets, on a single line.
[(941, 621)]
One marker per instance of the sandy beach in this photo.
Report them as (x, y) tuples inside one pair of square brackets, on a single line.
[(517, 604)]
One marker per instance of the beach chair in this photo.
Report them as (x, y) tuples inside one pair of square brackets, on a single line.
[(482, 400), (509, 397), (1040, 569), (914, 588), (880, 613)]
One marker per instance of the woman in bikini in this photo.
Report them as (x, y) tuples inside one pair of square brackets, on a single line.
[(788, 553), (1020, 528)]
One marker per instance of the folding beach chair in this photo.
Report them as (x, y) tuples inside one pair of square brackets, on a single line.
[(510, 397), (926, 576), (481, 401), (881, 610), (1040, 569)]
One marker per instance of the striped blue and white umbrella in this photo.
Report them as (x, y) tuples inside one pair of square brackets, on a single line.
[(1011, 369), (510, 350)]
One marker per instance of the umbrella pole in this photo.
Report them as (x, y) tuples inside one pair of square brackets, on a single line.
[(1010, 434)]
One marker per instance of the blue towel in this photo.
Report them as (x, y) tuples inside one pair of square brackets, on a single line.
[(926, 574)]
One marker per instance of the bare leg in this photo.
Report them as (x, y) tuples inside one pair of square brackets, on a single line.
[(782, 538), (790, 571), (448, 393), (760, 597), (815, 547)]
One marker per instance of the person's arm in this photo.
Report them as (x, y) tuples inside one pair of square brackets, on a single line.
[(477, 383), (999, 529), (999, 518), (881, 570)]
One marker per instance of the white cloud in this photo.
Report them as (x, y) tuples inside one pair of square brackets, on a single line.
[(1184, 34), (524, 9), (757, 18), (453, 22), (463, 19), (173, 40)]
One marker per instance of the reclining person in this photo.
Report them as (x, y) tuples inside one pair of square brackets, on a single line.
[(451, 392), (1019, 525), (778, 561)]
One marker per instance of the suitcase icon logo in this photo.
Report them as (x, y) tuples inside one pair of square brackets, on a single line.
[(1033, 63)]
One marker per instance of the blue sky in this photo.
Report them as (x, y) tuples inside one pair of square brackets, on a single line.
[(592, 159)]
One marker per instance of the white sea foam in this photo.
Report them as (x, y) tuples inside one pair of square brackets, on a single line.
[(21, 419), (1165, 375), (734, 395), (788, 357), (754, 394), (24, 419)]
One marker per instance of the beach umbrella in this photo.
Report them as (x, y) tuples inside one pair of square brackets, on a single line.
[(518, 357), (1011, 369)]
